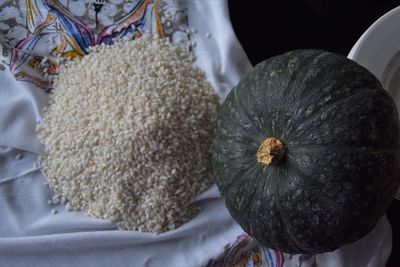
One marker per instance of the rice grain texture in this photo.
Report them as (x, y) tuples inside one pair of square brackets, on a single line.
[(128, 134)]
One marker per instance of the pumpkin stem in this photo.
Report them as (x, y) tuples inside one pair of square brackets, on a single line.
[(270, 151)]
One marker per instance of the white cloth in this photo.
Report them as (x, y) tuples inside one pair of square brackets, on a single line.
[(30, 235)]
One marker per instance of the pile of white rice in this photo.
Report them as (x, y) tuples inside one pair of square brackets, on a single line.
[(128, 134)]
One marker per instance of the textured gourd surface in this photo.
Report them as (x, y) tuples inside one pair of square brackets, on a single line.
[(341, 164)]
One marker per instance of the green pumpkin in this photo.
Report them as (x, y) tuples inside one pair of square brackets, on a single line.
[(306, 152)]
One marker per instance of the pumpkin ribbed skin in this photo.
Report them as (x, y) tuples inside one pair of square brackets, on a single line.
[(342, 149)]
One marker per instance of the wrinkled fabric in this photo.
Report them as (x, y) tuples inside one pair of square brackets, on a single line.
[(31, 235)]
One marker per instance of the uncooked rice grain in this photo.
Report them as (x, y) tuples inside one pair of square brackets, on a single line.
[(128, 134)]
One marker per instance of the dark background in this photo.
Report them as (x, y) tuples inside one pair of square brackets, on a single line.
[(268, 28)]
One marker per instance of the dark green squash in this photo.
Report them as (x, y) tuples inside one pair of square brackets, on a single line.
[(306, 152)]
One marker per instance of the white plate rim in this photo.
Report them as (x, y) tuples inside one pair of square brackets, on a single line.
[(358, 46)]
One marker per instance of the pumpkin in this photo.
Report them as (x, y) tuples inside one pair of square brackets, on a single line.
[(306, 152)]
